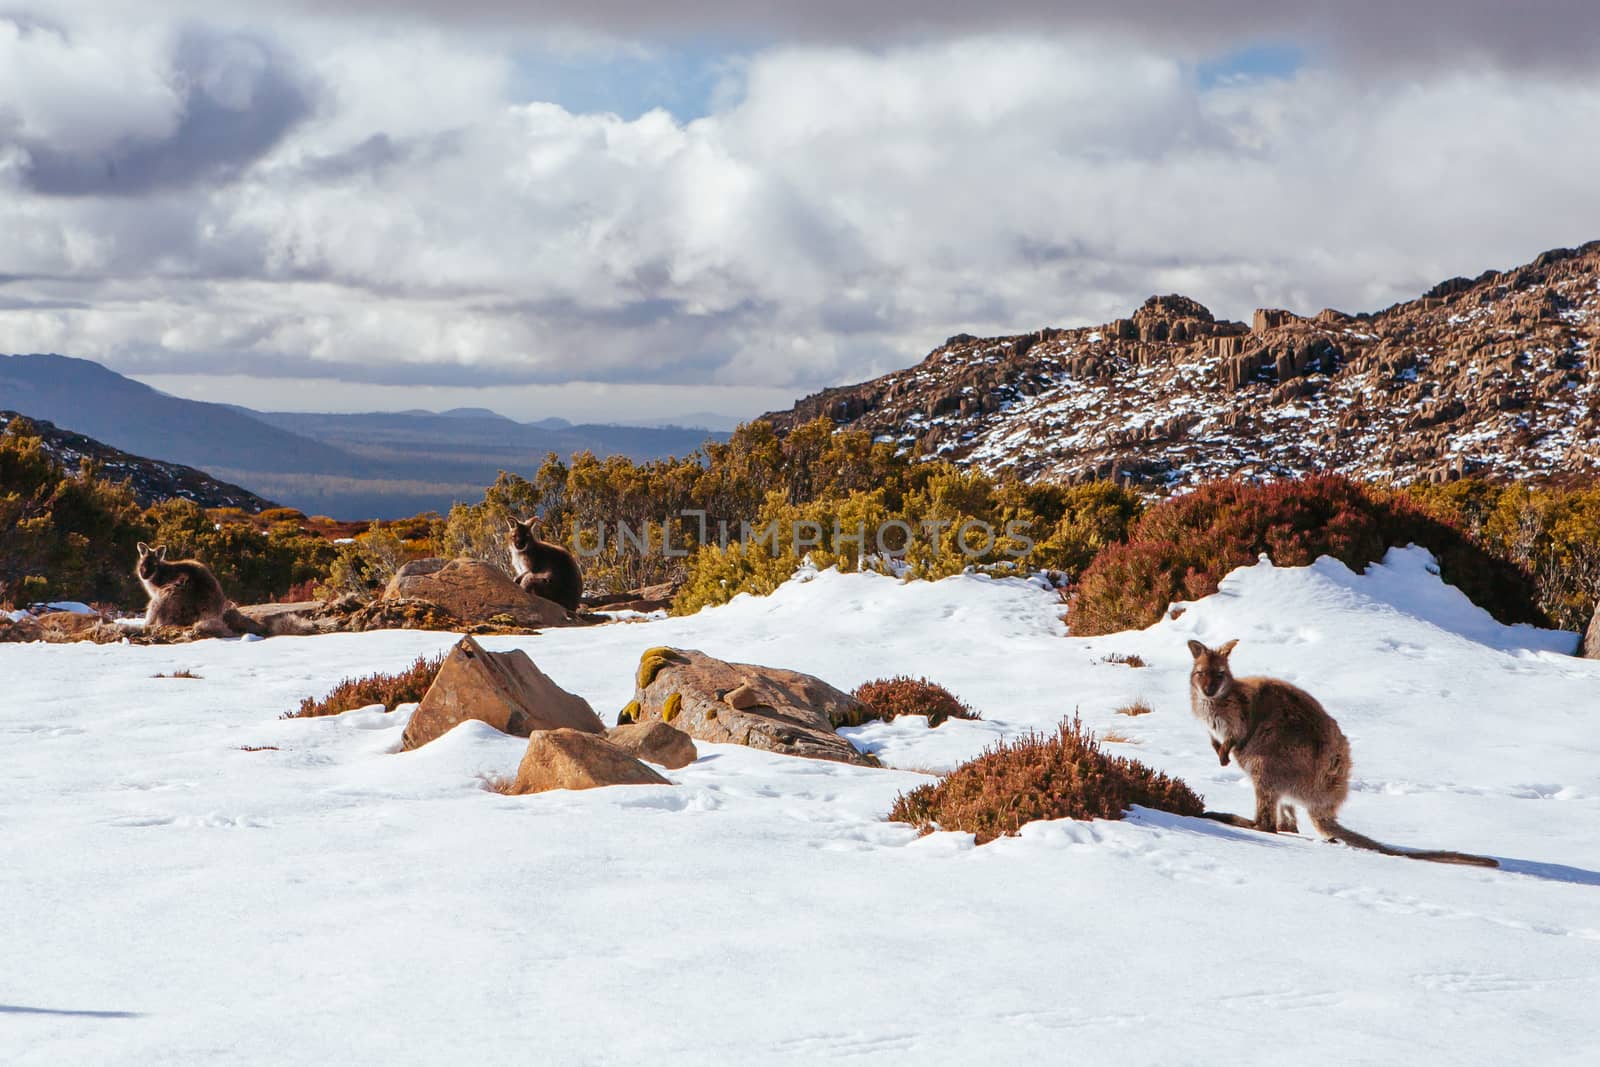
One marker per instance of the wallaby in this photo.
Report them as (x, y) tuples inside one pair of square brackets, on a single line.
[(544, 568), (185, 593), (1290, 747)]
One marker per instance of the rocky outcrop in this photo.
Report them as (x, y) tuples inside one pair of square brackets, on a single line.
[(743, 704), (504, 689), (1591, 639), (1496, 376), (573, 759), (654, 742), (473, 592)]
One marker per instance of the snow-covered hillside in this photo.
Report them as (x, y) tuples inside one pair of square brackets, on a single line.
[(168, 897)]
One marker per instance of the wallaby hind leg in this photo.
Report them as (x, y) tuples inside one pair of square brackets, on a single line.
[(1266, 811), (1286, 820)]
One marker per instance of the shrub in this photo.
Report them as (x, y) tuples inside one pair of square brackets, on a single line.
[(889, 698), (1129, 659), (1065, 775), (1135, 708), (1182, 548), (1553, 533), (390, 690)]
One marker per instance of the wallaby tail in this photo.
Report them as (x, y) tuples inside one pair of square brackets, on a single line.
[(274, 626), (1331, 829)]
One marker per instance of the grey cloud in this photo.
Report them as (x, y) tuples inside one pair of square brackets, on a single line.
[(1525, 33), (242, 99)]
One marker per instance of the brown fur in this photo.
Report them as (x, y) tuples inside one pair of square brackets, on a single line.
[(1292, 749), (544, 568), (185, 593)]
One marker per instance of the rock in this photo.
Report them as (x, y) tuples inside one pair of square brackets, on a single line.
[(1591, 639), (654, 742), (473, 592), (573, 759), (68, 625), (398, 613), (503, 689), (743, 704)]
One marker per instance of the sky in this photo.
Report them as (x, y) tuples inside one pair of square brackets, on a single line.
[(626, 210)]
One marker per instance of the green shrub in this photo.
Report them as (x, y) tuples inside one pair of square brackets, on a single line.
[(1064, 775)]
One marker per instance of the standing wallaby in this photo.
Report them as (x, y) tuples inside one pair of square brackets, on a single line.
[(544, 568), (1290, 747), (185, 593)]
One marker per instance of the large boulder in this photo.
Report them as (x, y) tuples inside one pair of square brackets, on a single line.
[(1591, 640), (743, 704), (573, 759), (473, 592), (503, 689), (654, 742)]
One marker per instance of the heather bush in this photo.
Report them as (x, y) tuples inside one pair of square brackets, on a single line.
[(1064, 775), (889, 698), (404, 687), (1181, 549)]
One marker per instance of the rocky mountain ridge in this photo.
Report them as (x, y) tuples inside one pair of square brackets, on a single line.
[(151, 480), (1497, 376)]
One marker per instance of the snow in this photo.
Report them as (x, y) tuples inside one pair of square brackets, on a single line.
[(167, 896)]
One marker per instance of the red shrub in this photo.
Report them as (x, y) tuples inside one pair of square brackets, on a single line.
[(888, 698), (1040, 776), (1182, 548), (405, 687)]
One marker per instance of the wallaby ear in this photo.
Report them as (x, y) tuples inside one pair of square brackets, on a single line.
[(144, 550), (161, 552), (511, 524), (1227, 648), (1196, 649)]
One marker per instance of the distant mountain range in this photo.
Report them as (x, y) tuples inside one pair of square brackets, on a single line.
[(151, 480), (1496, 376), (379, 465)]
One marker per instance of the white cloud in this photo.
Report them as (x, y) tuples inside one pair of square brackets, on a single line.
[(842, 215)]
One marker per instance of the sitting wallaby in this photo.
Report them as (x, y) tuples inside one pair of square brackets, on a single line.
[(1290, 747), (544, 568), (185, 593)]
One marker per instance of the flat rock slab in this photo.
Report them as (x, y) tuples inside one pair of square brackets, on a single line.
[(504, 689), (743, 704), (573, 759), (474, 592), (654, 742)]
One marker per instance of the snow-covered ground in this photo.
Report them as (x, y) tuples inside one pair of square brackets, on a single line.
[(168, 897)]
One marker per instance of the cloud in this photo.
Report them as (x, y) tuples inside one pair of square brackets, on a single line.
[(412, 221), (1528, 34), (91, 116)]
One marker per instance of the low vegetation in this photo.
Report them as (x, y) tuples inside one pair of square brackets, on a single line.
[(1135, 708), (1064, 775), (391, 690), (1526, 554), (889, 698), (1181, 548)]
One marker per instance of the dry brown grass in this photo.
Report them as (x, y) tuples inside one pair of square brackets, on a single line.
[(258, 748), (1135, 708), (504, 784), (1065, 775), (1129, 659), (390, 690), (185, 673), (889, 698), (1117, 737)]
